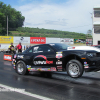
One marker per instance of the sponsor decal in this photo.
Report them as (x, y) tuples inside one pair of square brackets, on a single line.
[(39, 69), (31, 69), (86, 65), (15, 56), (70, 48), (52, 44), (36, 48), (20, 56), (67, 40), (42, 69), (13, 64), (22, 39), (53, 69), (58, 62), (37, 40), (28, 66), (8, 57), (85, 62), (58, 54), (42, 62), (59, 67), (45, 69), (6, 39)]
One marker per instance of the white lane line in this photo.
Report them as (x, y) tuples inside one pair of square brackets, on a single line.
[(26, 93)]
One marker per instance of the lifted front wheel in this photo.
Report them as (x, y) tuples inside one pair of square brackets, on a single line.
[(21, 68)]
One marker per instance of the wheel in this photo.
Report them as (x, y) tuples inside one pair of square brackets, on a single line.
[(74, 68), (21, 68)]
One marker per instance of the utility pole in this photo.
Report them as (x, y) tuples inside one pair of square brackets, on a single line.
[(7, 25)]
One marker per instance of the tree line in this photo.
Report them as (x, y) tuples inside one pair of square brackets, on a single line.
[(15, 18), (36, 32), (15, 23)]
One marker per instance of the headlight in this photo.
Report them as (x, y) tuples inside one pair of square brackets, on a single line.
[(91, 54)]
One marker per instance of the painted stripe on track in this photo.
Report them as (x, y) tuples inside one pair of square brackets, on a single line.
[(26, 93)]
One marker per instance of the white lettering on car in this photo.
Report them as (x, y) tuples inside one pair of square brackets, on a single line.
[(39, 62), (20, 56), (42, 62), (36, 48)]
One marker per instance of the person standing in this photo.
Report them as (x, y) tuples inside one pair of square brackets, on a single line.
[(24, 47), (11, 48), (19, 47)]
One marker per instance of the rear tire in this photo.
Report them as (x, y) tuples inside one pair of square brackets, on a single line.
[(21, 68), (74, 68)]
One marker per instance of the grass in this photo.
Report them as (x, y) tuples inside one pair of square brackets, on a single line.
[(78, 44)]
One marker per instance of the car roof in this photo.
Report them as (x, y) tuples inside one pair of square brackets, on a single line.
[(47, 44)]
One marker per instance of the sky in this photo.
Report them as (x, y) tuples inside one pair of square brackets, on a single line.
[(63, 15)]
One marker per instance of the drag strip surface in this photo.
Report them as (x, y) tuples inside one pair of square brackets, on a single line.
[(56, 86)]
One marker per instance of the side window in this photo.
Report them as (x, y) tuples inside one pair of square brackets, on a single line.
[(31, 50), (37, 49), (42, 49), (45, 49)]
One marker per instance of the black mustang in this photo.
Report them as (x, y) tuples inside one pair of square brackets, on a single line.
[(56, 57)]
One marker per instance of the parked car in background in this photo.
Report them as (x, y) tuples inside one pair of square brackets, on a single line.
[(97, 46)]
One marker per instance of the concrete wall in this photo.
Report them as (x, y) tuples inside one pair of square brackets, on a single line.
[(96, 38), (5, 46), (52, 40), (27, 41)]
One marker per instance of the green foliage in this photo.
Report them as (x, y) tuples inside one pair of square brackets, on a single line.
[(15, 19), (15, 23), (36, 32)]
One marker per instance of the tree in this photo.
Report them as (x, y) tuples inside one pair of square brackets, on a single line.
[(89, 34), (15, 18)]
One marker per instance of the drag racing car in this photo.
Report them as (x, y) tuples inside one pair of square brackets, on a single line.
[(57, 57)]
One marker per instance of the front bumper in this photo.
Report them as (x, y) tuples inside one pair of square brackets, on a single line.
[(92, 64)]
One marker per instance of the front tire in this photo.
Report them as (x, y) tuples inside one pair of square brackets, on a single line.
[(74, 68), (21, 68)]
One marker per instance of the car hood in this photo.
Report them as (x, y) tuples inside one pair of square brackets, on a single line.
[(84, 48)]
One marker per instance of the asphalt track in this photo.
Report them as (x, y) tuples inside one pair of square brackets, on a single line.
[(52, 86)]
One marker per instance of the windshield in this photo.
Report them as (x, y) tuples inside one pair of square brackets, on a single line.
[(60, 46)]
